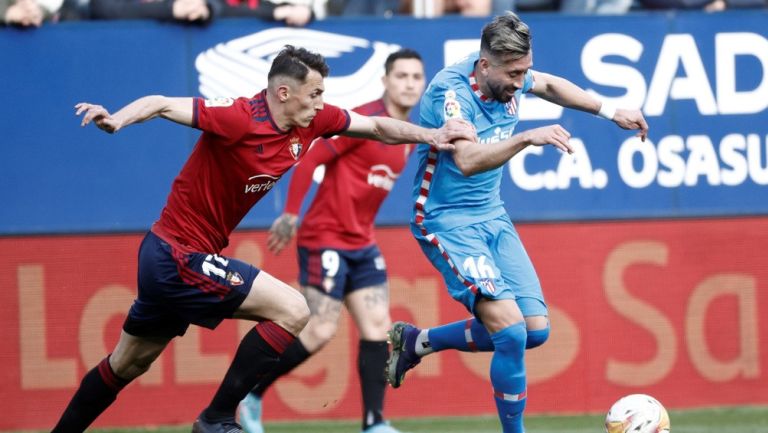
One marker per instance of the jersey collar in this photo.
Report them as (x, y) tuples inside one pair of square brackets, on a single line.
[(475, 88)]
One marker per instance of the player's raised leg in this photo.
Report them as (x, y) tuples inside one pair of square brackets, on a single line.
[(323, 323), (99, 388), (282, 313)]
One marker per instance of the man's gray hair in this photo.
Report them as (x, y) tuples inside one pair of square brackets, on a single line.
[(506, 35)]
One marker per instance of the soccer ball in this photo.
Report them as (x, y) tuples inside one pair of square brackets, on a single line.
[(637, 413)]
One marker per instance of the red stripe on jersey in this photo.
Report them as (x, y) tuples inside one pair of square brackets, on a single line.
[(419, 216), (476, 88)]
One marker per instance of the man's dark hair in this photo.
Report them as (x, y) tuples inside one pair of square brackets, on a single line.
[(403, 53), (296, 62)]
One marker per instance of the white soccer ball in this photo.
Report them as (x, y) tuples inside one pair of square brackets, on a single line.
[(637, 413)]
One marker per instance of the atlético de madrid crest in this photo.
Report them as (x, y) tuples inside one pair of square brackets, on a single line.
[(295, 147)]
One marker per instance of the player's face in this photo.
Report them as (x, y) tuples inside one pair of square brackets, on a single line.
[(505, 76), (405, 82), (305, 99)]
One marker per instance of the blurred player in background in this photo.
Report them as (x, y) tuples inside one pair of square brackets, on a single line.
[(245, 146), (459, 219), (339, 261)]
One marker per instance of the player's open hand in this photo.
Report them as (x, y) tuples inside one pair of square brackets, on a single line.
[(454, 129), (632, 119), (98, 115), (282, 231), (555, 135)]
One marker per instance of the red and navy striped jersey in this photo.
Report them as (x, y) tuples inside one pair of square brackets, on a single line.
[(239, 156)]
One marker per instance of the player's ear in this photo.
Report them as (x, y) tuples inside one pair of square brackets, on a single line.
[(483, 63), (283, 92)]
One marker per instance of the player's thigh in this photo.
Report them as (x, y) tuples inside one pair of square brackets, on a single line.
[(367, 293), (369, 308), (498, 314), (178, 288), (517, 269), (325, 269), (324, 313), (272, 299), (465, 260), (323, 276)]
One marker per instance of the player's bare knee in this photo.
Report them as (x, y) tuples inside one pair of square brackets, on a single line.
[(376, 329), (320, 333), (296, 316)]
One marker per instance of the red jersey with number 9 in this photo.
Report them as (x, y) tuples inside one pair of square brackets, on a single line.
[(236, 161)]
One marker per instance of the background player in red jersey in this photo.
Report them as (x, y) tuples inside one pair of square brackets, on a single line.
[(245, 146), (339, 261)]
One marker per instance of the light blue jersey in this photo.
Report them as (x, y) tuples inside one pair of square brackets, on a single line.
[(460, 200), (459, 221)]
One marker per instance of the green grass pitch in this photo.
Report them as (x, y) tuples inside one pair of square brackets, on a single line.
[(717, 420)]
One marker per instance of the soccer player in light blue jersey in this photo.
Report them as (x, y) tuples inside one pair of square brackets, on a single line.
[(459, 219)]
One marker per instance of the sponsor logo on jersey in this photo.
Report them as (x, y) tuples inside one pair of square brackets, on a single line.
[(295, 147), (239, 67), (381, 176), (260, 183), (219, 102), (451, 106)]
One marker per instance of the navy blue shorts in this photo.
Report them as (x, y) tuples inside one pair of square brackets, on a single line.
[(178, 289), (340, 272)]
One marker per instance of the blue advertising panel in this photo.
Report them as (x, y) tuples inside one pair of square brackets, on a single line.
[(700, 79)]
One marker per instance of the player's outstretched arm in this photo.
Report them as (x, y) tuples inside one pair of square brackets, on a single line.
[(472, 158), (179, 110), (562, 92), (393, 131)]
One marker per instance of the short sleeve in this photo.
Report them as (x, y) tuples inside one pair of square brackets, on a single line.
[(450, 102), (528, 82), (330, 121), (227, 118), (341, 144)]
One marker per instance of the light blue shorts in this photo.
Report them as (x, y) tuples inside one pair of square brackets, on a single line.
[(485, 260)]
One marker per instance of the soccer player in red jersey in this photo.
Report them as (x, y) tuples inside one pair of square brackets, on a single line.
[(339, 261), (245, 146)]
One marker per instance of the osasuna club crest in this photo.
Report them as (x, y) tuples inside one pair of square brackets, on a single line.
[(295, 147)]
